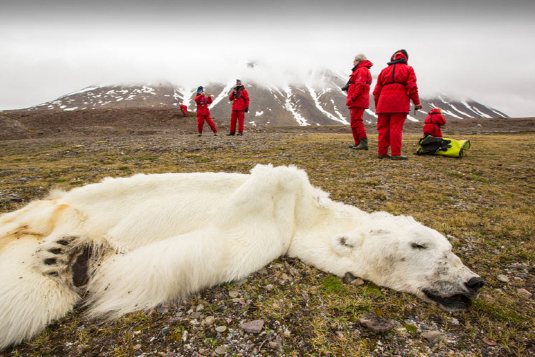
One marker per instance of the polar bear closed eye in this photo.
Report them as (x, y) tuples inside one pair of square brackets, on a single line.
[(129, 244)]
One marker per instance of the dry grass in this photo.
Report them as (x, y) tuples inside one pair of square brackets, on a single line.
[(482, 202)]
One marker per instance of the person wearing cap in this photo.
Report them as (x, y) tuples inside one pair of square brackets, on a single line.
[(433, 122), (395, 88), (240, 105), (358, 99), (203, 113)]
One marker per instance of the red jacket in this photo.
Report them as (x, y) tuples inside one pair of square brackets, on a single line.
[(202, 104), (433, 122), (358, 94), (396, 86), (239, 99)]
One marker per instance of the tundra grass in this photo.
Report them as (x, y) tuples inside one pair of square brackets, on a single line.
[(483, 203)]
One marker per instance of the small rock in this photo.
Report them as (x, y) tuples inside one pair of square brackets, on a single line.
[(525, 293), (269, 287), (221, 350), (454, 321), (136, 347), (376, 323), (233, 294), (357, 282), (240, 282), (348, 278), (502, 278), (209, 320), (275, 345), (166, 330), (200, 307), (287, 333), (433, 337), (221, 328), (490, 342), (254, 326), (163, 311)]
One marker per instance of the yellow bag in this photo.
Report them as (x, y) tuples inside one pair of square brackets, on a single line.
[(431, 145)]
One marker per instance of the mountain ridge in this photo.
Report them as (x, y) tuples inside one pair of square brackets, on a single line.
[(318, 102)]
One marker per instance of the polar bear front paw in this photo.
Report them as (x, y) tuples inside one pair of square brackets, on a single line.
[(55, 257)]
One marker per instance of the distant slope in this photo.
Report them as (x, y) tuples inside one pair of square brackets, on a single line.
[(319, 102)]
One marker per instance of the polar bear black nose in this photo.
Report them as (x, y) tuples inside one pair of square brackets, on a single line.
[(475, 284)]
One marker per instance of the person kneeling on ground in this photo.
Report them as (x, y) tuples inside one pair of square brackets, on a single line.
[(433, 122), (358, 99), (203, 113)]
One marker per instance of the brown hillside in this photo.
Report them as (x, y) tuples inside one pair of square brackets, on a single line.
[(140, 121)]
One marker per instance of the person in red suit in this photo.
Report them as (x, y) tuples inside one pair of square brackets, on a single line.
[(358, 99), (203, 113), (395, 88), (433, 122), (240, 105)]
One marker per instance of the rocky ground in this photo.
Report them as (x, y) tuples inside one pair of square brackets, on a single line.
[(146, 121), (482, 202)]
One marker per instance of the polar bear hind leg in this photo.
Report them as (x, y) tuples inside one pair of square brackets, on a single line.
[(40, 245), (32, 294)]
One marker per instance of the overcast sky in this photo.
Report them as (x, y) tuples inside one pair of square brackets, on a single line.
[(482, 49)]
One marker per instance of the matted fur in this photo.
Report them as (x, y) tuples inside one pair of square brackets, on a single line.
[(159, 238)]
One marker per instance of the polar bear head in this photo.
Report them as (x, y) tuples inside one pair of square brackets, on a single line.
[(402, 254)]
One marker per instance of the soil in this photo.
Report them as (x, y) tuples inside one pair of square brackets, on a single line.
[(304, 311)]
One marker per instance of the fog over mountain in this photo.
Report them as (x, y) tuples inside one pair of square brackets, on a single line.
[(318, 100)]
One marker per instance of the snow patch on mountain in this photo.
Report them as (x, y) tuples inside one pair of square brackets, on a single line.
[(460, 111), (292, 108), (315, 97), (224, 94)]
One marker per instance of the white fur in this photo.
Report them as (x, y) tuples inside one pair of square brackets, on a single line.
[(158, 238)]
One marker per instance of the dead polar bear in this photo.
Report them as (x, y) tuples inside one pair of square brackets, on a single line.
[(133, 243)]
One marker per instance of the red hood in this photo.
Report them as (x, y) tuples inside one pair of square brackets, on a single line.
[(399, 55), (365, 63), (434, 111)]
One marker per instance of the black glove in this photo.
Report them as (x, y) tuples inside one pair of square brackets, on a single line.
[(247, 110), (345, 88)]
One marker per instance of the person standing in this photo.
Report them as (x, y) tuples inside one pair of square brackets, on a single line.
[(240, 105), (358, 99), (433, 122), (395, 88), (203, 113)]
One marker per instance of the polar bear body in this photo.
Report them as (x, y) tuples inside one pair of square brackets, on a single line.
[(149, 239)]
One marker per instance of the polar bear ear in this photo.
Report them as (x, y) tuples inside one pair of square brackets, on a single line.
[(344, 244)]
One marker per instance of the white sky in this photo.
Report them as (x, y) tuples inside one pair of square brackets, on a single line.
[(480, 49)]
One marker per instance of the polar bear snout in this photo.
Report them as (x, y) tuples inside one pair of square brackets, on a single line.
[(474, 284)]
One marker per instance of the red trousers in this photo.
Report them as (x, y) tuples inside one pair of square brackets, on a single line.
[(200, 123), (238, 115), (357, 127), (390, 128)]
